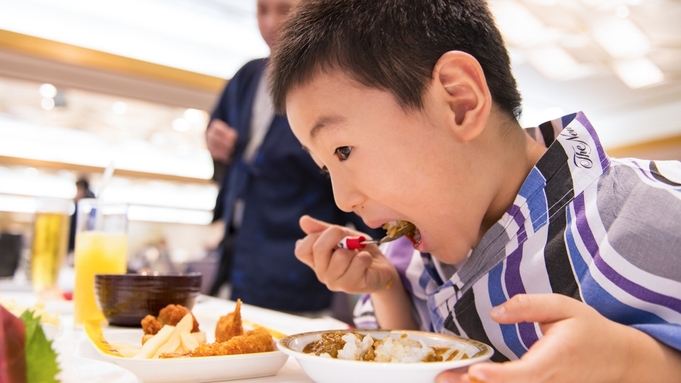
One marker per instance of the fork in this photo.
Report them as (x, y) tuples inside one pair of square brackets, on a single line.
[(357, 243)]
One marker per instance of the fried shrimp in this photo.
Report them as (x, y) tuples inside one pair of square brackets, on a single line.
[(229, 325), (258, 340)]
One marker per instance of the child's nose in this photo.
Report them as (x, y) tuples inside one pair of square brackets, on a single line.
[(346, 195)]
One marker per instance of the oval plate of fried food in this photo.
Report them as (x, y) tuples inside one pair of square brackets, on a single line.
[(173, 348)]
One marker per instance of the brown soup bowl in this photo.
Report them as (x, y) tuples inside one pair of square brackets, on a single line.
[(127, 298)]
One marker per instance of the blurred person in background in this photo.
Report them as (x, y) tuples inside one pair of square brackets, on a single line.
[(82, 191), (268, 183)]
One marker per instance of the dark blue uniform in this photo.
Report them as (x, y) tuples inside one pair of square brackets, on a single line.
[(280, 185)]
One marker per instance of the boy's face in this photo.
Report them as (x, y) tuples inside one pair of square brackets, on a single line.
[(271, 15), (388, 164)]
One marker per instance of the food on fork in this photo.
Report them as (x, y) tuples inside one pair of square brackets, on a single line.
[(396, 229), (392, 228)]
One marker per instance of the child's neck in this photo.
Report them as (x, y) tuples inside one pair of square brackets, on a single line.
[(517, 153)]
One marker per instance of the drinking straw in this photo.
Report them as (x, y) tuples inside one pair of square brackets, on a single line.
[(108, 174)]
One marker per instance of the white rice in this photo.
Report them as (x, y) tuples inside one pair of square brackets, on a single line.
[(400, 350), (354, 347)]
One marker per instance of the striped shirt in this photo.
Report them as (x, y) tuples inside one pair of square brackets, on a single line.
[(601, 230)]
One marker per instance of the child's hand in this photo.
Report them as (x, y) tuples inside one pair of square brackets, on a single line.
[(579, 345), (351, 271)]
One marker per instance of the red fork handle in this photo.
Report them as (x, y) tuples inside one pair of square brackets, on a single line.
[(352, 243)]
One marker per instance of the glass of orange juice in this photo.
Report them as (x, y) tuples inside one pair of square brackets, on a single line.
[(101, 248)]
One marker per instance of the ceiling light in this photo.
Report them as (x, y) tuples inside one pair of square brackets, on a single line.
[(638, 73), (194, 115), (47, 103), (119, 107), (47, 90), (181, 125), (621, 38)]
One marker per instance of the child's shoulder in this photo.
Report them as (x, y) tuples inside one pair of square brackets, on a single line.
[(646, 174), (639, 205)]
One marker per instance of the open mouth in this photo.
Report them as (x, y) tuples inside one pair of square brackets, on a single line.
[(396, 229)]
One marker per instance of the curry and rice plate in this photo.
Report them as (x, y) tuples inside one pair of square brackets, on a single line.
[(354, 346)]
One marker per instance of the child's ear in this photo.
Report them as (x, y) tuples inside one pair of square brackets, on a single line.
[(463, 85)]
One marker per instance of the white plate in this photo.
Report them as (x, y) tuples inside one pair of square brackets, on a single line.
[(81, 370), (330, 370), (191, 370)]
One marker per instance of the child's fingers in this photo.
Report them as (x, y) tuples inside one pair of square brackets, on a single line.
[(510, 372), (303, 250), (453, 376), (546, 361), (353, 266), (311, 225), (540, 308), (339, 272), (324, 247)]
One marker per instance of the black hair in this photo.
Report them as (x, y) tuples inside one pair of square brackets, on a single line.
[(390, 45), (82, 182)]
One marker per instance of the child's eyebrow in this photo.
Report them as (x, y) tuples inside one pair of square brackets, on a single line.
[(323, 122)]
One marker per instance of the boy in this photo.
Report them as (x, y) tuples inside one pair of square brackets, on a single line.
[(562, 259)]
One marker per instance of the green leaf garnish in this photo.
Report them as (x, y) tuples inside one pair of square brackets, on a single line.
[(41, 360)]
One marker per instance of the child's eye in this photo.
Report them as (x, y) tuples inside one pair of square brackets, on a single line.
[(343, 152)]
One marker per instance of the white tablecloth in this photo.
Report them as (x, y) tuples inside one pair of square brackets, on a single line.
[(80, 362)]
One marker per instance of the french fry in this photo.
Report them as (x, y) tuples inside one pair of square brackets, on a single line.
[(184, 326), (146, 337), (188, 342), (126, 349), (171, 345), (199, 336), (152, 345)]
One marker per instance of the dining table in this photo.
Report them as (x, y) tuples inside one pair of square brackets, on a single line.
[(80, 361)]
